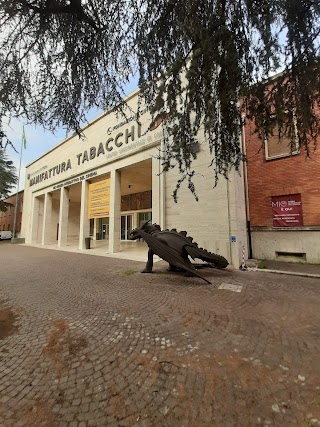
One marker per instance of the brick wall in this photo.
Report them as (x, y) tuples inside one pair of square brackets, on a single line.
[(7, 218), (287, 175)]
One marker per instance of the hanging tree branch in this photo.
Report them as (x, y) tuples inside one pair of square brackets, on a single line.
[(195, 60)]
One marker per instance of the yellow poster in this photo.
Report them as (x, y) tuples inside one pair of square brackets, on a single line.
[(99, 199)]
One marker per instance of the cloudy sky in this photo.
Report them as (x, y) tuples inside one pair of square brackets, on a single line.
[(39, 140)]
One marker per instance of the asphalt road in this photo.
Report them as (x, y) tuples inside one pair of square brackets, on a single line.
[(88, 341)]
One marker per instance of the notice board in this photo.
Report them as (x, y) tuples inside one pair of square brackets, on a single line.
[(99, 199), (287, 211)]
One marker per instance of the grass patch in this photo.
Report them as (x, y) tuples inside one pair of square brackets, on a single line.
[(8, 320), (315, 402), (261, 265), (308, 422), (128, 272)]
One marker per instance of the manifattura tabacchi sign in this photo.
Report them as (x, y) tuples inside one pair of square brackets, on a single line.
[(103, 148)]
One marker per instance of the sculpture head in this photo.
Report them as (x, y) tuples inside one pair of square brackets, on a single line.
[(146, 227)]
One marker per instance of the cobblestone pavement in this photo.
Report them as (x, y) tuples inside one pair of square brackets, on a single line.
[(89, 341)]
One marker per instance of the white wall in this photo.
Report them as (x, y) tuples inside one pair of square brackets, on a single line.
[(218, 215)]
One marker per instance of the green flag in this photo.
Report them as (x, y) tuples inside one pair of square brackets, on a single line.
[(24, 139)]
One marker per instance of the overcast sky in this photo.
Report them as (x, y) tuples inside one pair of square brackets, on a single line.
[(39, 141)]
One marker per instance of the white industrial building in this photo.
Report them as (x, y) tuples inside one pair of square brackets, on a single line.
[(104, 185)]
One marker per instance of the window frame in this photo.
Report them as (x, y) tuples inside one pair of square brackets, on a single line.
[(292, 153)]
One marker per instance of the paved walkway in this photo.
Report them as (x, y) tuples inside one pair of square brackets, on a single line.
[(89, 341), (292, 267)]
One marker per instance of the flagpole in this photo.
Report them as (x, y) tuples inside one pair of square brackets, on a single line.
[(16, 204)]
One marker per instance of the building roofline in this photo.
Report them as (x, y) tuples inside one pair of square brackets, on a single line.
[(105, 113), (12, 195)]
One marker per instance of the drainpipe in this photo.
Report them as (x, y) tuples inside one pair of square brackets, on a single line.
[(245, 174)]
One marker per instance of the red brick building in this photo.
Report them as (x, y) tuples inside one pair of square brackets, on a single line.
[(284, 199), (7, 218)]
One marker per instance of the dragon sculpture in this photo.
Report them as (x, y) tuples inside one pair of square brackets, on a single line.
[(175, 248)]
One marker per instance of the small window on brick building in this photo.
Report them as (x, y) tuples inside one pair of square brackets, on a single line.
[(284, 142)]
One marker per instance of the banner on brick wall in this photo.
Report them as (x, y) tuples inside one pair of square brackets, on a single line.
[(287, 211), (99, 199)]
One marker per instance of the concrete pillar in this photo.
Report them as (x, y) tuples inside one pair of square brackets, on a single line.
[(34, 220), (84, 221), (135, 220), (95, 228), (47, 231), (63, 217), (115, 211), (156, 191)]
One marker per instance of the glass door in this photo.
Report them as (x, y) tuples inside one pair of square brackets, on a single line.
[(103, 229), (144, 217), (126, 226)]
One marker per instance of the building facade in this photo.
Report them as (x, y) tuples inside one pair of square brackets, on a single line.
[(110, 182), (284, 198), (7, 218)]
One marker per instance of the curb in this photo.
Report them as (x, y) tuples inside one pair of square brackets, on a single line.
[(290, 273)]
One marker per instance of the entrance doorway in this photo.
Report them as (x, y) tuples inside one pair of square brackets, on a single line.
[(103, 229), (126, 226)]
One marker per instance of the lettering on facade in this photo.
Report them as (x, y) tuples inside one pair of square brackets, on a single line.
[(122, 142), (75, 180), (128, 120), (30, 175), (120, 139), (56, 170)]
